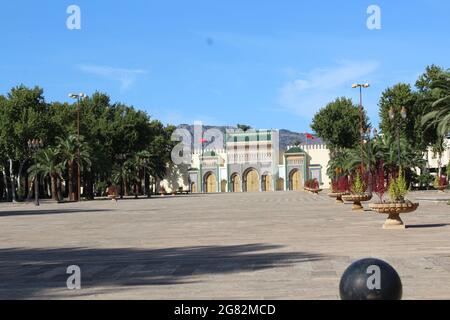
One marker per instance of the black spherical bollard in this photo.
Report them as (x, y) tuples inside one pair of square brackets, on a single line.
[(370, 279)]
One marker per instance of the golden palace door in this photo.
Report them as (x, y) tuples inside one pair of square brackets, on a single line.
[(252, 181), (296, 181), (267, 183), (211, 183), (236, 180)]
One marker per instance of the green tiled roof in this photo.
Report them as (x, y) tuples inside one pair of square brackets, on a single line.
[(295, 150)]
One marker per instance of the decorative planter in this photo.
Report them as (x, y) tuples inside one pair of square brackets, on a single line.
[(314, 191), (357, 199), (338, 196), (394, 210)]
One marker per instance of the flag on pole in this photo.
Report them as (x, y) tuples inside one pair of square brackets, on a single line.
[(309, 136)]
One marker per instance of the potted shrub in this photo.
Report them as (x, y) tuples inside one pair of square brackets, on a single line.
[(339, 187), (358, 194), (440, 183), (312, 186), (398, 203)]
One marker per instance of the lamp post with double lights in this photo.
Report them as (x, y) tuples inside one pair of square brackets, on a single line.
[(78, 97), (368, 139), (397, 124), (361, 130), (35, 145)]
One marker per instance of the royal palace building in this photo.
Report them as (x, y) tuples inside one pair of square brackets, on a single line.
[(250, 162)]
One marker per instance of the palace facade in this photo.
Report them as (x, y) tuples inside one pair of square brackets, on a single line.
[(251, 162)]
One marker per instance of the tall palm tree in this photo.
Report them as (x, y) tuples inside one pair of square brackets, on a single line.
[(386, 149), (144, 162), (68, 150), (48, 164), (340, 163), (439, 117)]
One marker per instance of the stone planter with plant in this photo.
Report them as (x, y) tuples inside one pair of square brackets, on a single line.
[(440, 183), (358, 194), (340, 187), (398, 203), (312, 186)]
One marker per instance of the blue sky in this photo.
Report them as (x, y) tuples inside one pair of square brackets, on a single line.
[(270, 64)]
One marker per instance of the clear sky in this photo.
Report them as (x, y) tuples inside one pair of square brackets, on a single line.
[(270, 64)]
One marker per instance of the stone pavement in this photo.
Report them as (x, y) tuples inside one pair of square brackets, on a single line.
[(283, 245)]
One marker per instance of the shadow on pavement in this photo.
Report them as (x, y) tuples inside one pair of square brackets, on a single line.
[(26, 273), (46, 212), (420, 226)]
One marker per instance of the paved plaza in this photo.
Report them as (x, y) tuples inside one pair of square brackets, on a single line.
[(280, 245)]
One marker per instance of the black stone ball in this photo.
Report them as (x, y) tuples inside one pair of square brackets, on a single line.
[(370, 279)]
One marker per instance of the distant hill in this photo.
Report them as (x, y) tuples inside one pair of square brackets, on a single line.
[(287, 137)]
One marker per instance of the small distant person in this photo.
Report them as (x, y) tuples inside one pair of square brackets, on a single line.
[(111, 191)]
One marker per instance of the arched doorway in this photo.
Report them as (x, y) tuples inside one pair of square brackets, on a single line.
[(223, 186), (235, 183), (280, 184), (252, 181), (210, 182), (295, 180), (267, 182), (193, 187)]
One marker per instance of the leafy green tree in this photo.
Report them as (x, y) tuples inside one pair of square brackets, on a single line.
[(339, 124), (23, 116), (48, 164)]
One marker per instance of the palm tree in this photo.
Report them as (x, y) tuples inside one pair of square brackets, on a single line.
[(386, 149), (340, 163), (48, 164), (68, 150), (439, 117), (144, 162)]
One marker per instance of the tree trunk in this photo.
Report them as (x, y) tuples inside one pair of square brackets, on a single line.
[(5, 183), (54, 187), (125, 186), (89, 184), (19, 179), (439, 165), (70, 182), (59, 188), (11, 177)]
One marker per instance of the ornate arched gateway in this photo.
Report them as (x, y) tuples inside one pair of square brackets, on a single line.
[(210, 183), (295, 180), (235, 183), (252, 181), (266, 182)]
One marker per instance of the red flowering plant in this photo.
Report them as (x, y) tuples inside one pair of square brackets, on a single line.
[(378, 182), (343, 185), (334, 186), (312, 184), (440, 182)]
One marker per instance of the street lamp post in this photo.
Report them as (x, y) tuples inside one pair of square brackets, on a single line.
[(403, 115), (78, 97), (361, 130), (35, 145), (369, 155)]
